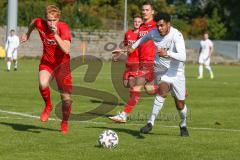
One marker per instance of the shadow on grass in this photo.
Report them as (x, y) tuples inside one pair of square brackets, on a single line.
[(132, 132), (103, 102), (26, 128)]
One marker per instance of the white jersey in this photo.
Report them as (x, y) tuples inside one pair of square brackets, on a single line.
[(174, 43), (11, 46), (12, 42), (205, 47)]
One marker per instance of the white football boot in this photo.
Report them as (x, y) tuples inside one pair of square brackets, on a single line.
[(120, 118)]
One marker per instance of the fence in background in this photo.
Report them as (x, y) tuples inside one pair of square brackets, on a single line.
[(95, 43), (229, 49)]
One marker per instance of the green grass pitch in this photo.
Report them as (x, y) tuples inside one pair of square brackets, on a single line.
[(214, 118)]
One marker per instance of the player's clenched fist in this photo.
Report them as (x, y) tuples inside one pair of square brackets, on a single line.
[(162, 52), (54, 29), (24, 38)]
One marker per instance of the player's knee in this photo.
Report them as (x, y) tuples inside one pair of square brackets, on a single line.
[(150, 89), (131, 82), (180, 104), (140, 81), (43, 84), (137, 88), (163, 89), (66, 99)]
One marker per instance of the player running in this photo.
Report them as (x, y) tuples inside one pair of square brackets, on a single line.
[(132, 64), (55, 61), (169, 69), (146, 53)]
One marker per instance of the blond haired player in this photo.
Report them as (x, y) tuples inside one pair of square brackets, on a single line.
[(55, 61)]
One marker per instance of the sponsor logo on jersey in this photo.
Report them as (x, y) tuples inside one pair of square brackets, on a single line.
[(142, 33)]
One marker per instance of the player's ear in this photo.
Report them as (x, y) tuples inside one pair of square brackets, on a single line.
[(168, 24), (153, 12)]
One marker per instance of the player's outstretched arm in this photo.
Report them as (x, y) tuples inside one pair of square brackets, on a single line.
[(26, 36), (141, 41)]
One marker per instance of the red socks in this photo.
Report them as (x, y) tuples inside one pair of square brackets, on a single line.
[(46, 96), (66, 110), (134, 98)]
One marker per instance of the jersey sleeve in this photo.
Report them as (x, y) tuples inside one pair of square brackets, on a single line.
[(142, 40), (210, 43), (37, 22), (65, 32), (179, 43)]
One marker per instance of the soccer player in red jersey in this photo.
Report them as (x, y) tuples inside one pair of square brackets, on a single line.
[(146, 51), (132, 65), (146, 54), (55, 61)]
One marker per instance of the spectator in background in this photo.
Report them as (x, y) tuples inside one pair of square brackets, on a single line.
[(11, 46)]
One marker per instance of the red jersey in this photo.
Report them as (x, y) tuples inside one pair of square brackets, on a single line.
[(130, 38), (146, 50), (52, 52)]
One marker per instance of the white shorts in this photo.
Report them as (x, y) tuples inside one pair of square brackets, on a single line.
[(176, 80), (204, 59), (11, 53)]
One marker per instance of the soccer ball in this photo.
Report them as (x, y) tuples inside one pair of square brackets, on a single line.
[(108, 139)]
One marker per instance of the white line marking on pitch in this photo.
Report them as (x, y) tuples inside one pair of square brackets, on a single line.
[(104, 123)]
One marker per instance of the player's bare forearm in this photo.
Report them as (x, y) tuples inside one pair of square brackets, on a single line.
[(30, 29), (26, 36), (64, 44)]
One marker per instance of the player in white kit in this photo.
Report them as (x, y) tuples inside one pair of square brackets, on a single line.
[(169, 66), (205, 52), (11, 46)]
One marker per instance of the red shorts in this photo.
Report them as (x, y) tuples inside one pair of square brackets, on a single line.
[(131, 70), (146, 70), (61, 73)]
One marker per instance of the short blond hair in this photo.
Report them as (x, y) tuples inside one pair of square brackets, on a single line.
[(52, 10)]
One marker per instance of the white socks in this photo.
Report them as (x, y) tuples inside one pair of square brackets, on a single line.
[(157, 106), (210, 71), (8, 65), (183, 116), (15, 64), (200, 71)]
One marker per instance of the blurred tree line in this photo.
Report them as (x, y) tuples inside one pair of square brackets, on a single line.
[(221, 18)]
